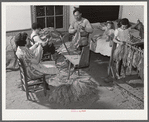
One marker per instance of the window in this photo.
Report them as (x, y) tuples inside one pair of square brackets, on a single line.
[(51, 16)]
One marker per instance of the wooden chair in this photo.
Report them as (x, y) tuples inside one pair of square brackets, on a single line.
[(78, 61), (27, 85)]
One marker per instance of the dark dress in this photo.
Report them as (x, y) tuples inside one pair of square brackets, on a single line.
[(49, 48)]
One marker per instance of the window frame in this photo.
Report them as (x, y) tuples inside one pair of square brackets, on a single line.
[(66, 11)]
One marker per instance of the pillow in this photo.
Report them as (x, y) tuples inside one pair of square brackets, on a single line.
[(95, 25), (140, 28)]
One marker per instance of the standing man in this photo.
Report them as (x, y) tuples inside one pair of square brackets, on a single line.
[(81, 28)]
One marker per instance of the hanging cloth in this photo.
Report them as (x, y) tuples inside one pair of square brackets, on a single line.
[(126, 52), (81, 37), (76, 39)]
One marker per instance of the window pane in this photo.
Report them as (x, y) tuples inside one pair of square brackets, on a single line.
[(59, 22), (40, 11), (41, 21), (50, 21), (58, 10), (50, 10)]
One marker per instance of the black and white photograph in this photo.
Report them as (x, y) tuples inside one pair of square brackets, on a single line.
[(74, 60)]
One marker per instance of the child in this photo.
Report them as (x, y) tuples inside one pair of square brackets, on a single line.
[(48, 47), (102, 43), (122, 36)]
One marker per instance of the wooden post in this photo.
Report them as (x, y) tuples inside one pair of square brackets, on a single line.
[(110, 68), (69, 70)]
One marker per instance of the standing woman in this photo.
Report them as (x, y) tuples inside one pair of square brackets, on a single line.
[(122, 36)]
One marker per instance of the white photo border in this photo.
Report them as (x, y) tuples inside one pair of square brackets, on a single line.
[(66, 114)]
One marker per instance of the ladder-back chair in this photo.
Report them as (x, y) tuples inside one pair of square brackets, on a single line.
[(78, 61), (27, 85)]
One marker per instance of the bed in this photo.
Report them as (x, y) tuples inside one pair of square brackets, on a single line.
[(105, 48)]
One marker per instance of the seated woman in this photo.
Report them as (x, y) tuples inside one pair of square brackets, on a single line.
[(32, 57), (103, 43), (48, 46)]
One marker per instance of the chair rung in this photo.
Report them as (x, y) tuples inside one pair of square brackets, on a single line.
[(35, 89), (24, 87), (21, 69), (22, 75), (35, 84)]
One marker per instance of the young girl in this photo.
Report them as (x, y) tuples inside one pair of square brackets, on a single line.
[(48, 47), (101, 43), (122, 36)]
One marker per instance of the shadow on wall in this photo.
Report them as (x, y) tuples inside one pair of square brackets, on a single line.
[(13, 33)]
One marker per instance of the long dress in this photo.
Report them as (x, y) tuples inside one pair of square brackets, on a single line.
[(122, 35), (102, 43), (35, 70)]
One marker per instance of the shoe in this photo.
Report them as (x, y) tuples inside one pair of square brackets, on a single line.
[(123, 76), (108, 79), (118, 77)]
